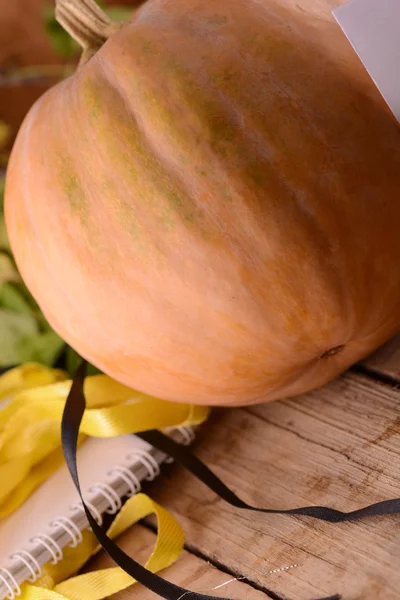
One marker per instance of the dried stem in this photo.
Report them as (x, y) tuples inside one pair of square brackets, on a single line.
[(86, 23)]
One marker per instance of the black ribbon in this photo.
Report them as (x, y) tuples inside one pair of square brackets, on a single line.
[(200, 470), (72, 417)]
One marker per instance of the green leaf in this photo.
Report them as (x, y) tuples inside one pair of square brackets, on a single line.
[(5, 133), (8, 270), (29, 299), (72, 362), (45, 348), (14, 327), (116, 12), (119, 13), (16, 296), (12, 299), (2, 188), (4, 243)]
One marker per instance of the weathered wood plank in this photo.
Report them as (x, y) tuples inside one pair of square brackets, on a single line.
[(189, 571), (337, 446), (386, 360)]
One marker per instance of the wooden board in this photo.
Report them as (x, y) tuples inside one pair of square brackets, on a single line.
[(338, 446), (188, 571)]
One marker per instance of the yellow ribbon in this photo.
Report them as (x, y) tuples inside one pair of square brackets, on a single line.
[(30, 451), (30, 443), (37, 475), (28, 376), (97, 585)]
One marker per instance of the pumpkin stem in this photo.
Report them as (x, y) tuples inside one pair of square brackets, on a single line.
[(86, 23)]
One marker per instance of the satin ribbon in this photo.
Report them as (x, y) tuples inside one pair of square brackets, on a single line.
[(27, 376), (30, 442), (30, 451), (100, 584)]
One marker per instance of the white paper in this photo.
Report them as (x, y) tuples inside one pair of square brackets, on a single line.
[(373, 29), (55, 496)]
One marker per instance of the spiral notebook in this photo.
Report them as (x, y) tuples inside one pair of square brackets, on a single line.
[(53, 517)]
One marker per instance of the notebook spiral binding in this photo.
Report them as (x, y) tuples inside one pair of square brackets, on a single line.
[(125, 480)]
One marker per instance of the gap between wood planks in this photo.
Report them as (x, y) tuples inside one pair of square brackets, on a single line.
[(370, 431), (375, 374), (237, 575), (221, 567)]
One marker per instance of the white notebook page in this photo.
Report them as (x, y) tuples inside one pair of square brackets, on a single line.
[(54, 497)]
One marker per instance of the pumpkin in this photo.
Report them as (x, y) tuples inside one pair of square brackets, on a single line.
[(209, 209)]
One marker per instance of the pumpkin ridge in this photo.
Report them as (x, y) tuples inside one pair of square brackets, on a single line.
[(179, 197)]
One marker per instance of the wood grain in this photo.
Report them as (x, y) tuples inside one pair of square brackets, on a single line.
[(189, 571), (338, 446)]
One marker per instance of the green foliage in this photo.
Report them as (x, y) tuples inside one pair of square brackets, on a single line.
[(5, 133), (12, 299), (45, 348), (72, 362), (14, 328), (119, 13), (25, 334), (8, 272), (4, 244)]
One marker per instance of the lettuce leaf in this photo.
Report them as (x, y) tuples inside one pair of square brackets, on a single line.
[(45, 348), (14, 328)]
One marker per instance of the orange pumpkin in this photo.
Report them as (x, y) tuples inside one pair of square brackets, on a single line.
[(209, 209)]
